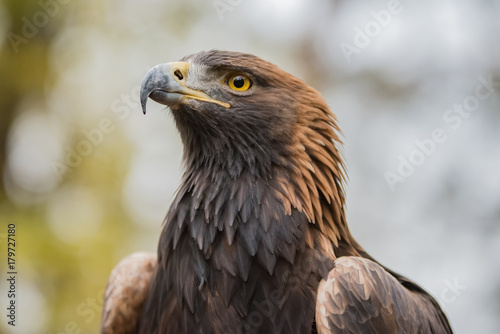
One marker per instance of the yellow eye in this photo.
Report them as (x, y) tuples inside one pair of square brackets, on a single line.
[(239, 82)]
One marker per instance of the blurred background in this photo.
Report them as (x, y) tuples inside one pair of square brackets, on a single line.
[(87, 179)]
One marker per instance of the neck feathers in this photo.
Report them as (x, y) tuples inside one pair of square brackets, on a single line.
[(233, 195)]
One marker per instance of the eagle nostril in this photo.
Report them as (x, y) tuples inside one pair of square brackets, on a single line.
[(178, 74)]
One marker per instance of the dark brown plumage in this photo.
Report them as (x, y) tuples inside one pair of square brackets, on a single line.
[(256, 240)]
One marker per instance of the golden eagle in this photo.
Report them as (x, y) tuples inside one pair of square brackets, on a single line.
[(256, 239)]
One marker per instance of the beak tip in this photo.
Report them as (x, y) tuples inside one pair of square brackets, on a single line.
[(143, 105), (144, 95)]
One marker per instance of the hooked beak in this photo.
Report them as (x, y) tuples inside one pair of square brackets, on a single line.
[(166, 84)]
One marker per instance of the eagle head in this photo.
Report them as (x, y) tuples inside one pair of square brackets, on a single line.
[(240, 111)]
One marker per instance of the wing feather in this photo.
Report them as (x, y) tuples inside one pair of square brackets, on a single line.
[(125, 293), (360, 296)]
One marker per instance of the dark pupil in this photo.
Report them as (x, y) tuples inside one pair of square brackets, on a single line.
[(239, 82)]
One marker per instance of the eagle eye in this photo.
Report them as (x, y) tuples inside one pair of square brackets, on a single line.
[(238, 82)]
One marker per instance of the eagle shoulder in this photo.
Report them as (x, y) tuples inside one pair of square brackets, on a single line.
[(126, 292), (360, 296)]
